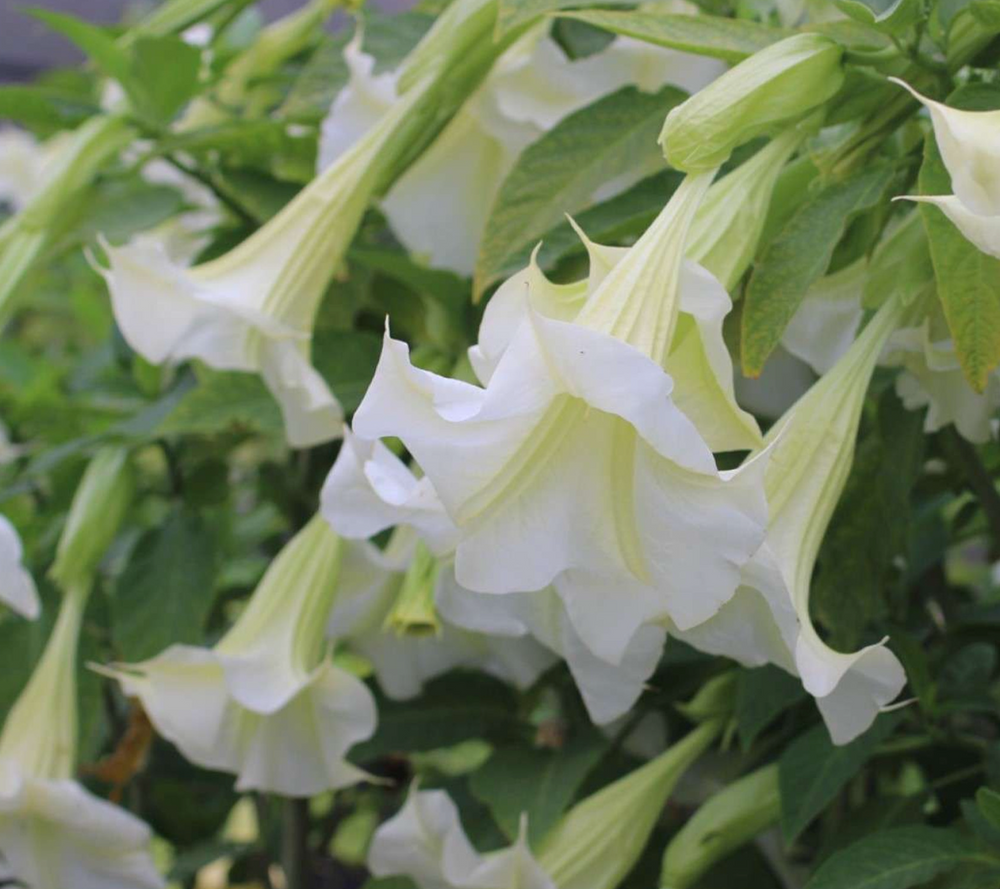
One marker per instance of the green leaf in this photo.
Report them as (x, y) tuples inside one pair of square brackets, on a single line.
[(163, 74), (988, 802), (452, 709), (43, 108), (625, 215), (165, 592), (812, 770), (99, 45), (514, 13), (968, 280), (541, 782), (318, 83), (890, 16), (761, 695), (798, 256), (870, 525), (225, 401), (121, 208), (560, 172), (346, 359), (894, 859), (731, 40)]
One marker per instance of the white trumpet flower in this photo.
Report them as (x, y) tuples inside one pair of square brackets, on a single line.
[(266, 703), (811, 451), (969, 142), (369, 490), (368, 590), (17, 589), (425, 841), (593, 846), (253, 308), (439, 207), (54, 833), (932, 377), (575, 466)]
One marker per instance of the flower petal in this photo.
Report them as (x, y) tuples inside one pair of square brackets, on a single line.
[(17, 588), (56, 834)]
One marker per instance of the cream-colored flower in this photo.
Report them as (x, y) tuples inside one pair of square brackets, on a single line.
[(593, 846), (576, 465), (811, 450), (439, 207), (969, 142), (370, 490), (267, 702), (55, 834)]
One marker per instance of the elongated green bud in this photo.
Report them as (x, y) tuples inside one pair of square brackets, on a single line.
[(770, 89), (725, 822), (98, 508), (600, 839)]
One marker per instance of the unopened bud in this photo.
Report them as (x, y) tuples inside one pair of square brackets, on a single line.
[(98, 507), (770, 89)]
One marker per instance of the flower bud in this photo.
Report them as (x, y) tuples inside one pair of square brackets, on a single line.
[(600, 839), (774, 86), (97, 510), (725, 822)]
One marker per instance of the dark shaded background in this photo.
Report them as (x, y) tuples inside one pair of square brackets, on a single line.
[(27, 46)]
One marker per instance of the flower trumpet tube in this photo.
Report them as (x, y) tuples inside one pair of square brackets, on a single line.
[(574, 464), (593, 846), (811, 450), (770, 89), (53, 832), (730, 818), (600, 839), (253, 308), (74, 162), (729, 223), (266, 703), (17, 589), (969, 146)]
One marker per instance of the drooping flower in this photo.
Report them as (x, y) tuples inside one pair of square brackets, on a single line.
[(575, 465), (365, 619), (968, 142), (17, 589), (438, 208), (267, 702), (811, 451), (593, 846), (53, 832), (932, 377), (253, 308), (369, 490)]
